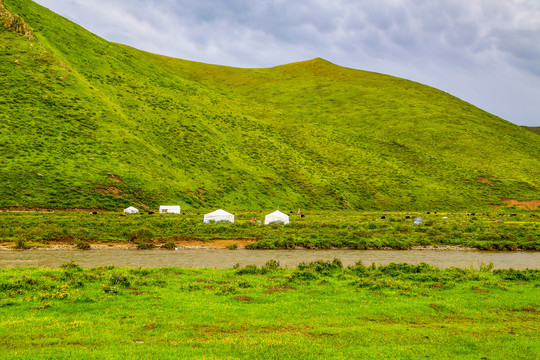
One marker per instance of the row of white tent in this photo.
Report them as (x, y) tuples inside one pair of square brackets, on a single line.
[(163, 209), (218, 215)]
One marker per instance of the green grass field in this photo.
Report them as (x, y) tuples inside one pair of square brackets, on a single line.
[(317, 230), (85, 123), (318, 310)]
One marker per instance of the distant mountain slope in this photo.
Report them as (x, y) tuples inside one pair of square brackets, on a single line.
[(88, 123), (534, 129)]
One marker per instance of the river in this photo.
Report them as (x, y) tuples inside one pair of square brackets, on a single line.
[(214, 258)]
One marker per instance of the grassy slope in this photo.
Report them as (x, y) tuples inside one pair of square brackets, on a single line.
[(76, 109), (534, 129)]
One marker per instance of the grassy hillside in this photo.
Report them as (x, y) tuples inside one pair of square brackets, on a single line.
[(534, 129), (88, 123)]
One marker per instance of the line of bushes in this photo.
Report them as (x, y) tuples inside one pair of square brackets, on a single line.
[(321, 230)]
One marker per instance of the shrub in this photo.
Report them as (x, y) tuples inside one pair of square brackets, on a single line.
[(486, 267), (321, 266), (227, 289), (169, 245), (82, 245), (304, 274), (140, 234), (71, 266), (248, 269), (119, 280), (21, 244), (359, 268), (272, 265), (520, 275), (145, 246), (243, 284), (110, 289), (232, 246)]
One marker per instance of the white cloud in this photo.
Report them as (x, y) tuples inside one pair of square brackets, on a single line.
[(483, 51)]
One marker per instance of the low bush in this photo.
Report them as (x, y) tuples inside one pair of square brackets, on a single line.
[(119, 280), (169, 245), (82, 245), (269, 266), (71, 266), (321, 266), (21, 244), (140, 235), (145, 246), (303, 274)]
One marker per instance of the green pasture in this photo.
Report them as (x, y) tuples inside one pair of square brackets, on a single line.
[(315, 311), (496, 230)]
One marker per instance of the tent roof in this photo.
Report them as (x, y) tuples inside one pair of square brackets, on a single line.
[(130, 208), (278, 213), (219, 212)]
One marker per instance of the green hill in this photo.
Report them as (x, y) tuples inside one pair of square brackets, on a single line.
[(85, 123), (534, 129)]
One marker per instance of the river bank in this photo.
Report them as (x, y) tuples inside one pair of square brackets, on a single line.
[(228, 244), (313, 230)]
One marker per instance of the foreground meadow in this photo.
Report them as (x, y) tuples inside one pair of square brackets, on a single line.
[(507, 229), (317, 310)]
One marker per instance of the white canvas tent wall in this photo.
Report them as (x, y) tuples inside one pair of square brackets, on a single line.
[(276, 216), (219, 215), (131, 210), (169, 209)]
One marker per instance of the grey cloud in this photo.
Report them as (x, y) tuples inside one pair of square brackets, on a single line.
[(424, 40)]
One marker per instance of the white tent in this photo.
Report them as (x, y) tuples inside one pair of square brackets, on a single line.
[(169, 209), (131, 210), (219, 215), (276, 216)]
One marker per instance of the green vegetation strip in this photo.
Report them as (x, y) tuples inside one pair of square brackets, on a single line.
[(317, 230), (317, 310)]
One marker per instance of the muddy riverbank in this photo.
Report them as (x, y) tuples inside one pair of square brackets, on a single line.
[(199, 244)]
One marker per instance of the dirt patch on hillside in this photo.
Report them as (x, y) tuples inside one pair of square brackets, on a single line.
[(485, 181), (114, 178), (111, 190), (522, 204)]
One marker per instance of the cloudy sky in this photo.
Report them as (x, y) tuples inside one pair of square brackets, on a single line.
[(486, 52)]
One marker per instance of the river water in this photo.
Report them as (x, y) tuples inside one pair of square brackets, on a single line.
[(214, 258)]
